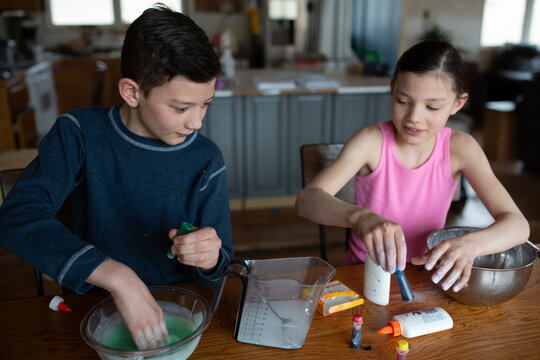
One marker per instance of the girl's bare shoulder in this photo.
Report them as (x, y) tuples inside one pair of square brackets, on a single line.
[(367, 137), (464, 148), (364, 147)]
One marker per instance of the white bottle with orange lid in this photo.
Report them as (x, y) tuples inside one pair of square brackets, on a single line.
[(418, 323)]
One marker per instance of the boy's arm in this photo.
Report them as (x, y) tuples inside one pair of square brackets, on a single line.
[(28, 227), (214, 216), (143, 316)]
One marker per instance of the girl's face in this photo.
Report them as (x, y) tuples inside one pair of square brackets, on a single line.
[(421, 105), (173, 110)]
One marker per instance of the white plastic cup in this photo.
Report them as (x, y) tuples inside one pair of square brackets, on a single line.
[(376, 283)]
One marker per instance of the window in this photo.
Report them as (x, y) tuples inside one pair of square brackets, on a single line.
[(131, 9), (516, 21), (534, 34), (283, 9), (101, 12), (81, 12)]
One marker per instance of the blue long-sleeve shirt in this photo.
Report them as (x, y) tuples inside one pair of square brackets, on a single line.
[(127, 191)]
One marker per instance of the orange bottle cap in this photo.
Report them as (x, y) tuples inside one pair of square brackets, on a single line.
[(62, 306), (393, 328)]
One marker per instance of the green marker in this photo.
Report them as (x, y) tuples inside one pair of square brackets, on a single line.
[(185, 228)]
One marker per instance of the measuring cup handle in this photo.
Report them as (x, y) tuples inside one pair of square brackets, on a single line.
[(227, 271)]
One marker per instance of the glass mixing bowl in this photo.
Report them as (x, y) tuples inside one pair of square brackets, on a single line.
[(103, 319)]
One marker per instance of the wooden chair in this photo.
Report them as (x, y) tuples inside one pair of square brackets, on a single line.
[(314, 158), (8, 178)]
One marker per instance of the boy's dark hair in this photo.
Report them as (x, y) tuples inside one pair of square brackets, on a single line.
[(429, 56), (161, 44)]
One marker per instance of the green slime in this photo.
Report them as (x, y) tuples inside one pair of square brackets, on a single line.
[(119, 337)]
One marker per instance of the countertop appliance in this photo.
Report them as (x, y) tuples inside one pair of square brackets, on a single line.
[(40, 81)]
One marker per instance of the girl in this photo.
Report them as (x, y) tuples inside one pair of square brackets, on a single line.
[(406, 171)]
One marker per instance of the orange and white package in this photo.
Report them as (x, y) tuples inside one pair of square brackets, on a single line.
[(337, 297)]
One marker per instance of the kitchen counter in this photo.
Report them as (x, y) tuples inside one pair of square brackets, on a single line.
[(246, 80), (506, 331)]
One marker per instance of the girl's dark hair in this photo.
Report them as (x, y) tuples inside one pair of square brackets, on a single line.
[(162, 44), (433, 56)]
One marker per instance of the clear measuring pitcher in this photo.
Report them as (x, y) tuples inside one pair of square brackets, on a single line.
[(279, 298)]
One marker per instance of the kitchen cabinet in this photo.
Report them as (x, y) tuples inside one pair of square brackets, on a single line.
[(218, 6), (260, 136), (223, 124), (355, 111), (309, 120), (25, 5), (17, 121), (85, 81), (267, 153)]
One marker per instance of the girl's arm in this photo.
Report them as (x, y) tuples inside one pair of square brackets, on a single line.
[(509, 229), (316, 202)]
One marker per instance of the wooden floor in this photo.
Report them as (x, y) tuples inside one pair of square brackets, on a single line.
[(280, 232)]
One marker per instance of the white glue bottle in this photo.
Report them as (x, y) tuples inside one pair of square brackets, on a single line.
[(418, 323), (227, 60), (376, 283)]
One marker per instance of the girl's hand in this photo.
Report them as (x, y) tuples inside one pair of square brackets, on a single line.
[(199, 248), (457, 257), (384, 240)]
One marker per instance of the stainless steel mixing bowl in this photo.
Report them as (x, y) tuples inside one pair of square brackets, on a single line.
[(494, 278)]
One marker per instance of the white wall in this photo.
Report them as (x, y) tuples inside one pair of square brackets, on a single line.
[(462, 19)]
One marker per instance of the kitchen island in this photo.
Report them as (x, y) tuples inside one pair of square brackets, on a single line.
[(260, 129), (506, 331)]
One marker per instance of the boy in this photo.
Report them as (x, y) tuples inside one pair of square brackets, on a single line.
[(136, 172)]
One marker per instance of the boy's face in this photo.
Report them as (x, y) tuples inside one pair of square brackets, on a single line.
[(173, 110)]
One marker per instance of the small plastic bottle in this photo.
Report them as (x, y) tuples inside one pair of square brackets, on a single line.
[(402, 350), (185, 228), (418, 323), (376, 283), (356, 339), (57, 303)]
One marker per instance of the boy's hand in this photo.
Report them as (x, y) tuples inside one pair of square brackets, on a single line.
[(135, 303), (142, 315), (384, 240), (199, 248), (457, 256)]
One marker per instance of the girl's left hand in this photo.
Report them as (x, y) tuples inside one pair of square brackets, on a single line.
[(457, 257), (199, 248)]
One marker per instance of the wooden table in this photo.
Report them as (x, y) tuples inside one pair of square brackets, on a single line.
[(17, 159), (29, 330)]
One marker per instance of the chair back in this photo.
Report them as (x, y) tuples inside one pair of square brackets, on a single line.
[(314, 158), (8, 178)]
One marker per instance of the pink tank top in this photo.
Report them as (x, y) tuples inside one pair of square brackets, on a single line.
[(417, 199)]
